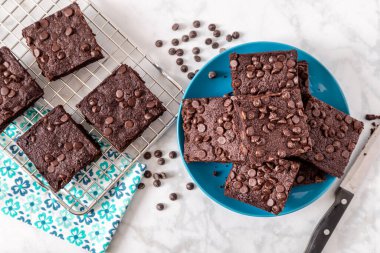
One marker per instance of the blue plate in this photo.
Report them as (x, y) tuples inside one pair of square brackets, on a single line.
[(322, 85)]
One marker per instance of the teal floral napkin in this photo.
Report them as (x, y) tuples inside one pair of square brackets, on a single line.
[(25, 200)]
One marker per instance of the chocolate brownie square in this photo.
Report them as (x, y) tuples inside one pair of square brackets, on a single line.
[(58, 147), (265, 186), (62, 42), (121, 107), (18, 90), (211, 130), (334, 135), (273, 125), (303, 78), (309, 174), (262, 73)]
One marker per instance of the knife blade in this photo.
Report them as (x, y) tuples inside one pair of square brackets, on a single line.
[(344, 194)]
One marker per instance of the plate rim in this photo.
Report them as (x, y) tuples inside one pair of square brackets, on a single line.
[(179, 130)]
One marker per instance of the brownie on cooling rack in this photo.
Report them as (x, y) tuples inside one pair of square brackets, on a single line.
[(18, 90), (121, 107), (58, 147), (62, 42)]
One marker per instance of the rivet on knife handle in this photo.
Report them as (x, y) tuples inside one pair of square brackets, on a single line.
[(328, 223)]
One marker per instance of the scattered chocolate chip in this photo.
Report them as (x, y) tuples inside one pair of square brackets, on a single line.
[(196, 23), (173, 196), (147, 155), (193, 34), (159, 43), (197, 58), (175, 27), (216, 33), (229, 37), (172, 51), (190, 75), (196, 50), (157, 153), (372, 116), (212, 27), (161, 161), (160, 206), (211, 74), (173, 154), (208, 41), (179, 52), (141, 186), (185, 38), (179, 61), (147, 174), (175, 42), (235, 35), (190, 186), (215, 45), (184, 68), (156, 183)]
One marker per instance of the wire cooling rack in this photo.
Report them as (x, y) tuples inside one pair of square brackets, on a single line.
[(94, 181)]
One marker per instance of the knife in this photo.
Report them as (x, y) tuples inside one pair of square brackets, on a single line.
[(344, 194)]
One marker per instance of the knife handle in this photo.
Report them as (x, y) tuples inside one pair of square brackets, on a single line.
[(327, 224)]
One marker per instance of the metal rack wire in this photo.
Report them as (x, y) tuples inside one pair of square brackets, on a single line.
[(94, 181)]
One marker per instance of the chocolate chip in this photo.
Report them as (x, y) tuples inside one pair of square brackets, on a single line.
[(68, 12), (156, 176), (69, 31), (212, 27), (197, 23), (175, 42), (64, 118), (345, 154), (44, 23), (138, 93), (161, 161), (197, 58), (233, 63), (208, 41), (190, 75), (229, 37), (192, 34), (215, 45), (172, 51), (4, 91), (109, 120), (37, 52), (184, 68), (156, 183), (211, 74), (95, 109), (175, 26), (157, 153), (172, 154), (160, 206), (61, 157), (44, 35), (55, 47), (235, 35), (68, 146), (61, 55), (173, 196), (196, 50), (216, 33), (319, 157), (107, 131), (141, 186), (179, 52), (85, 47), (147, 173), (158, 43), (179, 61), (190, 186), (185, 38)]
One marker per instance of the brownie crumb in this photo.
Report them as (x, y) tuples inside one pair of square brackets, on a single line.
[(141, 186), (372, 116)]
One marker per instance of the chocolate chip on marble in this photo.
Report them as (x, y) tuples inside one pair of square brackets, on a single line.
[(156, 183), (172, 154), (160, 207), (158, 43), (172, 51), (197, 23), (235, 35), (216, 33), (190, 186), (179, 52), (175, 26), (184, 68), (185, 38), (215, 45), (179, 61), (157, 153), (147, 174), (212, 27), (190, 75), (229, 37), (68, 12), (196, 50), (197, 58), (141, 186), (173, 196)]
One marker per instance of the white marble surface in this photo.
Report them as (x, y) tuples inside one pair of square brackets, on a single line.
[(344, 35)]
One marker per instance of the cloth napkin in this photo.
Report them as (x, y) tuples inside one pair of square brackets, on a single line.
[(23, 199)]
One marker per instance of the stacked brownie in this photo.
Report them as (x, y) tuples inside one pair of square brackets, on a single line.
[(120, 108), (283, 136)]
